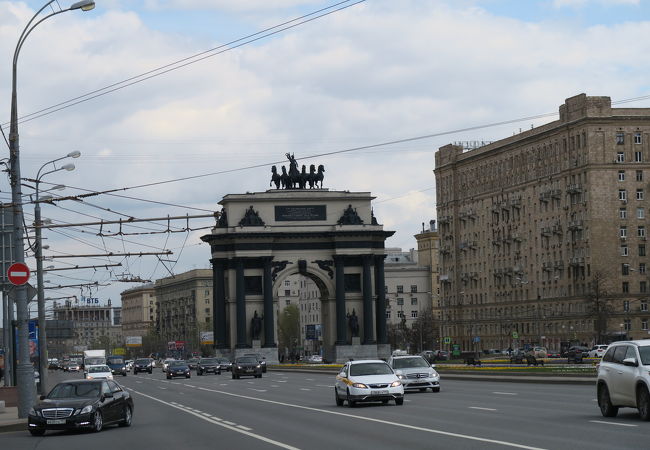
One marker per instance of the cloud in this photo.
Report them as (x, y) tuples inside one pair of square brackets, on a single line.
[(248, 5), (581, 3)]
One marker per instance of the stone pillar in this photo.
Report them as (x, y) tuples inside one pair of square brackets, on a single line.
[(269, 320), (219, 303), (341, 326), (240, 299), (380, 307), (368, 322)]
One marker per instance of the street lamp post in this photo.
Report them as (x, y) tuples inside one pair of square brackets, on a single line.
[(24, 369), (38, 251)]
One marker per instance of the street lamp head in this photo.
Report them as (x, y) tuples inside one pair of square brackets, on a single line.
[(68, 167), (45, 198), (58, 187), (84, 5), (74, 154)]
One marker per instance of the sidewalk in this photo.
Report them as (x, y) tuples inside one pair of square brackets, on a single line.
[(9, 420)]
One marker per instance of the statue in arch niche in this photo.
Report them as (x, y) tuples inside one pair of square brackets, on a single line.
[(353, 323), (256, 326)]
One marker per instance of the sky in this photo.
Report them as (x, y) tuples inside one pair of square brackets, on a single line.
[(375, 72)]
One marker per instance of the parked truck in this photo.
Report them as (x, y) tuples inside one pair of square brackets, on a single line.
[(94, 357)]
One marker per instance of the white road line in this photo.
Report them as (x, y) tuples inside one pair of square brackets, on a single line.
[(384, 422), (244, 428), (223, 424), (274, 385), (309, 379), (223, 384), (614, 423), (257, 390), (305, 389), (482, 409), (282, 381), (206, 414), (139, 382), (230, 423), (160, 387), (325, 385), (505, 393), (190, 385)]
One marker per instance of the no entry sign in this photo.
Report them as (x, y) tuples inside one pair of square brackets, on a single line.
[(18, 273)]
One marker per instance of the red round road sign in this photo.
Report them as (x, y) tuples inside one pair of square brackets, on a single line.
[(18, 274)]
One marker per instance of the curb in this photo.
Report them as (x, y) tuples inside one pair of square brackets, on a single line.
[(18, 425)]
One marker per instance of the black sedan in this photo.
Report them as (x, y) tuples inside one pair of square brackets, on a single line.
[(192, 362), (142, 365), (81, 404), (208, 365), (260, 359), (224, 364), (178, 369), (246, 365)]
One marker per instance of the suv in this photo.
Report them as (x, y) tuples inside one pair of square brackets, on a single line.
[(142, 365), (624, 378), (415, 372), (598, 351), (259, 358)]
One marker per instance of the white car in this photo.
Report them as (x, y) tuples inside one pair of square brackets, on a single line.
[(367, 381), (415, 372), (624, 378), (597, 351), (98, 371), (165, 364)]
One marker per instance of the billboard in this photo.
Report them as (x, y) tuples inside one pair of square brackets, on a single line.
[(207, 337), (133, 341)]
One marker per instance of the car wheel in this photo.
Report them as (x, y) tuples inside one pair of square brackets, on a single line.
[(124, 374), (643, 403), (233, 376), (150, 372), (187, 376), (168, 377), (198, 374), (98, 422), (399, 401), (384, 402), (128, 417), (37, 432), (339, 401), (351, 403), (605, 404)]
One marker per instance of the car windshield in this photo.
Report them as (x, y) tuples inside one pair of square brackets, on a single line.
[(98, 369), (253, 355), (223, 360), (208, 361), (142, 361), (177, 363), (246, 360), (116, 361), (645, 355), (75, 390), (403, 363), (370, 369)]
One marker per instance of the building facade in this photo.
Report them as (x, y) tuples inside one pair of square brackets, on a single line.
[(543, 234), (184, 308), (138, 310), (408, 287)]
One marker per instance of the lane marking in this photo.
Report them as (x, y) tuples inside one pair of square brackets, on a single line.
[(257, 390), (139, 382), (305, 389), (274, 385), (505, 393), (282, 381), (244, 428), (190, 385), (325, 385), (482, 409), (230, 423), (614, 423), (222, 424), (160, 387), (384, 422), (309, 379)]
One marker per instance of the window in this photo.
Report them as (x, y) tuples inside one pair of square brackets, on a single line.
[(641, 249), (622, 213), (620, 138), (641, 267), (640, 231), (637, 138), (639, 175), (414, 314), (625, 287), (400, 314), (639, 194), (400, 301), (644, 324), (625, 269), (622, 232), (414, 288), (622, 194), (643, 287), (388, 314), (638, 157), (626, 306), (414, 301), (288, 302), (644, 306), (620, 157), (287, 292), (400, 289), (628, 324), (624, 250), (621, 175), (640, 213), (287, 283)]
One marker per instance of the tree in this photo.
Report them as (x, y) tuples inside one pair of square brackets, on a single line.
[(599, 305), (289, 327), (423, 333)]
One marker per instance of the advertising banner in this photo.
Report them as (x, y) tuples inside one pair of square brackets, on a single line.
[(207, 337), (133, 341)]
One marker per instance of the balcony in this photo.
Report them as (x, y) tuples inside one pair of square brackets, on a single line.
[(545, 196), (557, 229), (547, 231), (556, 194), (547, 267), (445, 220), (575, 225), (515, 202), (574, 189)]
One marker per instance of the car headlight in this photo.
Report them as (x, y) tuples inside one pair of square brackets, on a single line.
[(396, 384), (86, 409), (259, 366), (360, 386), (88, 377), (32, 412), (239, 367), (433, 373), (401, 377)]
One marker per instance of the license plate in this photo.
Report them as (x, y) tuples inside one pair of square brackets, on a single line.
[(55, 421), (249, 370), (381, 392)]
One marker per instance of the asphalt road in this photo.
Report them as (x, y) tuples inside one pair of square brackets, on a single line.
[(297, 410)]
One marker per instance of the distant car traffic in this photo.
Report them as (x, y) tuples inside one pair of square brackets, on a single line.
[(224, 364), (81, 404), (246, 366), (315, 359), (367, 381), (98, 371), (166, 362), (117, 365), (208, 365), (624, 378), (177, 369), (142, 365), (192, 363), (576, 353), (71, 366), (597, 351), (539, 352), (260, 359), (415, 373)]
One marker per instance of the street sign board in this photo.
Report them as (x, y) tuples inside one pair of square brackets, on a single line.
[(515, 335), (31, 292), (477, 339), (447, 340), (18, 274)]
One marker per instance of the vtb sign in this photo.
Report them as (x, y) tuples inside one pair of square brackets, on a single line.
[(18, 274)]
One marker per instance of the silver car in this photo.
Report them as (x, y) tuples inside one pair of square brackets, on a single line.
[(624, 378), (415, 373)]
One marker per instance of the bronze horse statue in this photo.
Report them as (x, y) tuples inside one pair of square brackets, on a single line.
[(275, 178), (316, 177)]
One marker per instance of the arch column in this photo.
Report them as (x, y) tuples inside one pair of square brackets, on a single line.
[(380, 307), (269, 320), (368, 322), (219, 303), (240, 305), (341, 327)]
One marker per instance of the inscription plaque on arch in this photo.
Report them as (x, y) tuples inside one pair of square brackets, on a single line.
[(300, 213)]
